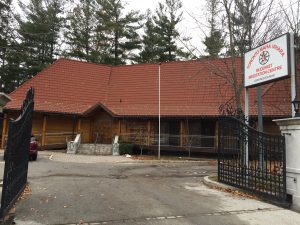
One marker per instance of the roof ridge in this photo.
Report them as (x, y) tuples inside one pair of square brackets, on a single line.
[(172, 62), (79, 61)]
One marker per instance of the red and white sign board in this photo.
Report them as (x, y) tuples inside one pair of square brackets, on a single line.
[(268, 62)]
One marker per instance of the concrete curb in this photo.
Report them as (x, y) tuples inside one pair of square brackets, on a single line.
[(213, 184), (202, 163)]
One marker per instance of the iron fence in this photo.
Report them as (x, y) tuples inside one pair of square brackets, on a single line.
[(251, 160)]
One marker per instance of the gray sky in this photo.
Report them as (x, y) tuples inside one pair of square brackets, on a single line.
[(188, 26)]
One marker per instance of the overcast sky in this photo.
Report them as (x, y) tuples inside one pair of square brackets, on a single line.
[(188, 26)]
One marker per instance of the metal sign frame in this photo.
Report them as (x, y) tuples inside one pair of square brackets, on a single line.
[(288, 37)]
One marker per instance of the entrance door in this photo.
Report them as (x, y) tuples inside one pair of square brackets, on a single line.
[(102, 128)]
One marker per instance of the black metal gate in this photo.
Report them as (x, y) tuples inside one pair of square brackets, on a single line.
[(16, 155), (251, 160)]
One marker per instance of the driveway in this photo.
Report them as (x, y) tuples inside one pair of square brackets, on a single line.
[(117, 191)]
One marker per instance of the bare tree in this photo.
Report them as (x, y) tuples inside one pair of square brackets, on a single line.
[(247, 23), (291, 15)]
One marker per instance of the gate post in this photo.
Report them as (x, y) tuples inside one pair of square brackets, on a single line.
[(290, 128)]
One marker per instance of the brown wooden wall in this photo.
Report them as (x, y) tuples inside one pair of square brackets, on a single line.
[(84, 127), (58, 129), (271, 127), (103, 126)]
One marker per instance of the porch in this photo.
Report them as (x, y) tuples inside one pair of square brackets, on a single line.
[(178, 135)]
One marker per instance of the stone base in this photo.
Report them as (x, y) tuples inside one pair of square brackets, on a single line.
[(296, 203), (92, 149)]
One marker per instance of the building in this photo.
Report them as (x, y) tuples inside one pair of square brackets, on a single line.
[(101, 101), (4, 99)]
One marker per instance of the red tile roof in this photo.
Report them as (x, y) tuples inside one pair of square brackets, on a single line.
[(188, 88)]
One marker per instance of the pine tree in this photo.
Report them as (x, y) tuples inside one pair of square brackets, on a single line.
[(39, 34), (149, 51), (8, 75), (214, 42), (166, 19), (119, 30), (81, 35), (5, 30)]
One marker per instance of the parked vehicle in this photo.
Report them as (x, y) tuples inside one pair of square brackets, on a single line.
[(33, 149)]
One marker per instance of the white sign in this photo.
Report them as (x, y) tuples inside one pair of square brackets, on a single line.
[(268, 62)]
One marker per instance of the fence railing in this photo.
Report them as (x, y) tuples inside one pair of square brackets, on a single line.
[(52, 138), (192, 141), (59, 138)]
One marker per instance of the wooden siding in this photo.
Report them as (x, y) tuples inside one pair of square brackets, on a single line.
[(85, 129), (271, 127), (59, 129), (103, 127)]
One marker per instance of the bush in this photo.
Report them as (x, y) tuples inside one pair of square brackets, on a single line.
[(126, 148)]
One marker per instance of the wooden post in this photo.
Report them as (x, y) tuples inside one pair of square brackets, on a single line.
[(44, 130), (149, 133), (120, 127), (217, 135), (181, 133), (4, 130), (78, 125)]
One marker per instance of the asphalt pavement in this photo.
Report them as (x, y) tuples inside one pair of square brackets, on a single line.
[(72, 190)]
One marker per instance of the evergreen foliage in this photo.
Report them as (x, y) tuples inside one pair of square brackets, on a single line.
[(81, 34), (119, 31), (214, 42), (166, 18), (39, 34), (149, 52)]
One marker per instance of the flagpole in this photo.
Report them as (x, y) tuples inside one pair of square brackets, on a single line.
[(159, 110)]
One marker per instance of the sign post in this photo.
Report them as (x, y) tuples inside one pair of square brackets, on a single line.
[(246, 157)]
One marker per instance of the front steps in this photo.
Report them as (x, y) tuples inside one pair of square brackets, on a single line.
[(95, 149)]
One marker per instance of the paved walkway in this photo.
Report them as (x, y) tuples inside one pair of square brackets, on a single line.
[(76, 158), (63, 157)]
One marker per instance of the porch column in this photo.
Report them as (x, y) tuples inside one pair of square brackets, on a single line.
[(181, 133), (120, 127), (217, 135), (149, 133), (44, 130), (4, 130), (79, 125)]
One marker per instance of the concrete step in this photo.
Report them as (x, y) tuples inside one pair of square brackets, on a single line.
[(92, 149)]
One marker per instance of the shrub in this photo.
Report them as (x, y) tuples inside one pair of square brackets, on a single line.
[(126, 148)]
